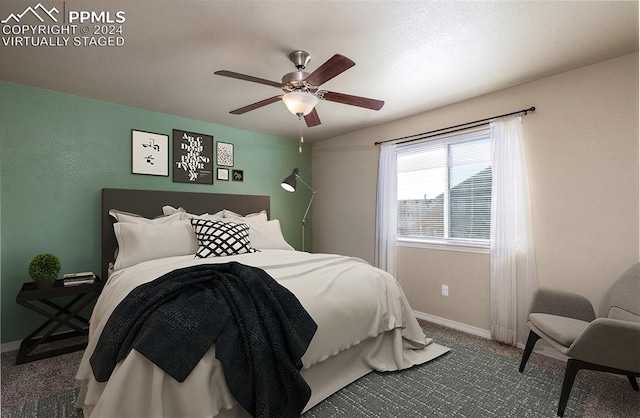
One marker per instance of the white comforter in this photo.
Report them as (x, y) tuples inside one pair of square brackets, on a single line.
[(350, 301)]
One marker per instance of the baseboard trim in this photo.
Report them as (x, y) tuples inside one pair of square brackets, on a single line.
[(469, 329), (10, 346)]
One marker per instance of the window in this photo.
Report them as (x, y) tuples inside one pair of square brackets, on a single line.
[(444, 190)]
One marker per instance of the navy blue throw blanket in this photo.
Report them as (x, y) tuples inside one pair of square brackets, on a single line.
[(260, 330)]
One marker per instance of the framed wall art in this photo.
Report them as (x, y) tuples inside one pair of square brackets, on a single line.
[(224, 152), (237, 175), (192, 157), (149, 153), (223, 174)]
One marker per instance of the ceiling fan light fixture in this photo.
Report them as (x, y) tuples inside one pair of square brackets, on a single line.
[(300, 102)]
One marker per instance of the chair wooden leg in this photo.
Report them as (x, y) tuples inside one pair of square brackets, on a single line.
[(531, 342), (573, 367), (634, 382)]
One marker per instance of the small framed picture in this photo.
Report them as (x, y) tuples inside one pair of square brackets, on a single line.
[(237, 175), (224, 154), (149, 153), (223, 174)]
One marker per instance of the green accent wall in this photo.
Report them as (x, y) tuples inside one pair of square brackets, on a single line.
[(58, 151)]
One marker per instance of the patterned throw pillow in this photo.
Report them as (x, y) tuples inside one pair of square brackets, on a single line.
[(218, 238)]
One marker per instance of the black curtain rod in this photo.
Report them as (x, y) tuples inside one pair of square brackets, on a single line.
[(462, 126)]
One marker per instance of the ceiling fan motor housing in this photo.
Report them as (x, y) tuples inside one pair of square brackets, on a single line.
[(295, 81)]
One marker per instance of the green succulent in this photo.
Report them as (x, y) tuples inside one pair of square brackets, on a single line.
[(44, 267)]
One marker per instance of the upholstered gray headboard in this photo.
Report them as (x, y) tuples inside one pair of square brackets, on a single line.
[(149, 203)]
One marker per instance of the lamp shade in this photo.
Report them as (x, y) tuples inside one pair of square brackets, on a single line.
[(300, 102), (289, 184)]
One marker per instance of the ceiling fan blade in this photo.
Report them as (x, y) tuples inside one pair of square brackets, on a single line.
[(245, 77), (312, 118), (331, 68), (348, 99), (256, 105)]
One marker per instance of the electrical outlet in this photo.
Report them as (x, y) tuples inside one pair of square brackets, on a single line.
[(445, 290)]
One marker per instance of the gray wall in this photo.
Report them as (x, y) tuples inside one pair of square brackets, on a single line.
[(582, 155)]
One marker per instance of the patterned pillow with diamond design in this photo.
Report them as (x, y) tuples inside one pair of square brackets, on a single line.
[(217, 238)]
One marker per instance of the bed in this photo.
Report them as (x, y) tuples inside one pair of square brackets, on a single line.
[(364, 321)]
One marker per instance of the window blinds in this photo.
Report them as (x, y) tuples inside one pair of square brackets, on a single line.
[(444, 188)]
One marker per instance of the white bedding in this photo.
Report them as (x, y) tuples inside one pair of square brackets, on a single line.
[(358, 309)]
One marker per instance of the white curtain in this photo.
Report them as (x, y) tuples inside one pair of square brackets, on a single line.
[(387, 209), (513, 264)]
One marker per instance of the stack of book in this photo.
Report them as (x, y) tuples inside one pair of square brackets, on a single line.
[(74, 279)]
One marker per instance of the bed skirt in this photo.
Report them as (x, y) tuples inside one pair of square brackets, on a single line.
[(138, 388)]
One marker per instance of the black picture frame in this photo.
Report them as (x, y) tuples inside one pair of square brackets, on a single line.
[(224, 154), (149, 153), (237, 175), (223, 174), (192, 157)]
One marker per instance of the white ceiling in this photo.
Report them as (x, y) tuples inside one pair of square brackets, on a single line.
[(415, 56)]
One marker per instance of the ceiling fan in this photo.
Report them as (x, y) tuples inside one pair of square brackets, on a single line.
[(302, 89)]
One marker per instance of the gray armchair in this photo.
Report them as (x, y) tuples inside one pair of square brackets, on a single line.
[(609, 343)]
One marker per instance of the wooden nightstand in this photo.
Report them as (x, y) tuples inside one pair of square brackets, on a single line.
[(31, 297)]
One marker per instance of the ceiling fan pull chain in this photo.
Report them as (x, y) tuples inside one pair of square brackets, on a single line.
[(301, 136)]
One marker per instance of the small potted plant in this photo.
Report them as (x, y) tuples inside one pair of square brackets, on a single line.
[(44, 269)]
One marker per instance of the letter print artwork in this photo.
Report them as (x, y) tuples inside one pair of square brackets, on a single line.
[(192, 157)]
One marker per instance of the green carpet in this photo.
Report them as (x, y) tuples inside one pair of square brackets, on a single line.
[(466, 382)]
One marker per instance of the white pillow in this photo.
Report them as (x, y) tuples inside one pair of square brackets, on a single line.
[(250, 218), (127, 217), (138, 242), (170, 210), (268, 235)]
